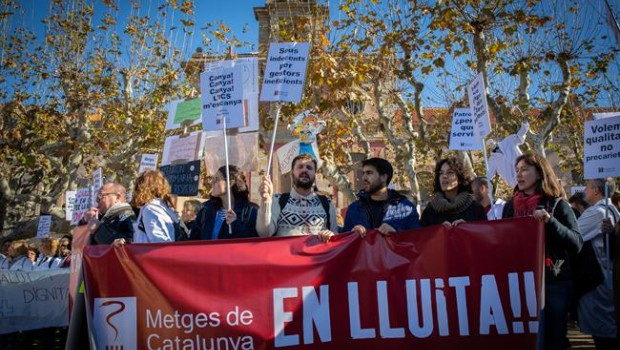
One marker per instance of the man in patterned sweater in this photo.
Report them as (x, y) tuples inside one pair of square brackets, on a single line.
[(300, 212)]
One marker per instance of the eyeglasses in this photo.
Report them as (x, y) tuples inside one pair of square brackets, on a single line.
[(103, 194)]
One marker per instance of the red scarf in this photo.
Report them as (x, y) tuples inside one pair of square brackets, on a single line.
[(524, 205)]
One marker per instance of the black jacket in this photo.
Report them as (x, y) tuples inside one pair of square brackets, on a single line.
[(562, 237), (117, 222)]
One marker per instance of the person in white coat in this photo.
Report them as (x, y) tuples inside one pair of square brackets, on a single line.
[(505, 153), (595, 309), (155, 223), (482, 194)]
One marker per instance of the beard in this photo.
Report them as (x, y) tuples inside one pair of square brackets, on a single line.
[(374, 187), (305, 183)]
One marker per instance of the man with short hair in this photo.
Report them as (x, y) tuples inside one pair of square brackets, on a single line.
[(115, 216), (481, 194), (300, 212), (595, 309), (378, 207)]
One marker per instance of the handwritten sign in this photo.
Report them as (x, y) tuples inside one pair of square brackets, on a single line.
[(478, 105), (183, 178), (222, 97), (45, 223), (69, 204), (82, 203), (601, 149), (178, 149), (285, 72)]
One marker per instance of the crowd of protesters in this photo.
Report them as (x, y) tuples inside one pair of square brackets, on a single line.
[(457, 198)]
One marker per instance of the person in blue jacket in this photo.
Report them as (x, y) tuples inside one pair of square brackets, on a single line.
[(213, 219), (377, 206)]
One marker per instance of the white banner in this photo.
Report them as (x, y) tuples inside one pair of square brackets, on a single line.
[(462, 134), (601, 149), (222, 97), (33, 300), (478, 105), (285, 72)]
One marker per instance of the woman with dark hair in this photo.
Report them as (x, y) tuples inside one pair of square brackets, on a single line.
[(213, 219), (156, 219), (452, 201), (539, 194)]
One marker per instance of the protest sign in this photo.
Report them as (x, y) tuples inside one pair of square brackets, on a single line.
[(33, 300), (285, 72), (479, 108), (597, 116), (601, 150), (249, 67), (243, 153), (69, 204), (288, 152), (82, 203), (148, 161), (222, 97), (430, 288), (575, 189), (183, 178), (182, 149), (45, 223), (462, 135), (184, 113)]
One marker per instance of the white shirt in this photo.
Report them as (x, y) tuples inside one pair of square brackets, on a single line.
[(503, 162), (495, 213), (22, 263)]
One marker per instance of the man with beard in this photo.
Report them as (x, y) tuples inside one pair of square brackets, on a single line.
[(480, 189), (115, 216), (300, 212), (377, 206)]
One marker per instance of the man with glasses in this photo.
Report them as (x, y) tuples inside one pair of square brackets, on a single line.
[(115, 216)]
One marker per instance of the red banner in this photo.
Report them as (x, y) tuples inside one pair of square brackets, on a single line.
[(474, 286)]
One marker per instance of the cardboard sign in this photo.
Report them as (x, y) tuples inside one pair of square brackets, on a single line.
[(45, 223), (285, 72), (182, 149), (242, 148), (183, 178), (480, 109), (601, 149), (148, 161), (462, 135), (222, 97)]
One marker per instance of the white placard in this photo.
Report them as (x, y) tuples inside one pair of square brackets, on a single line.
[(249, 68), (69, 204), (45, 223), (243, 152), (148, 161), (97, 180), (576, 189), (462, 134), (285, 72), (222, 97), (601, 149), (82, 203), (183, 149), (479, 107)]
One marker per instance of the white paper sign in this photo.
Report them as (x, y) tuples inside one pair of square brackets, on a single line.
[(222, 97), (45, 223), (601, 149), (249, 68), (479, 107), (288, 152), (148, 161), (178, 149), (69, 204), (97, 180), (285, 72), (243, 152), (82, 203), (462, 134)]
